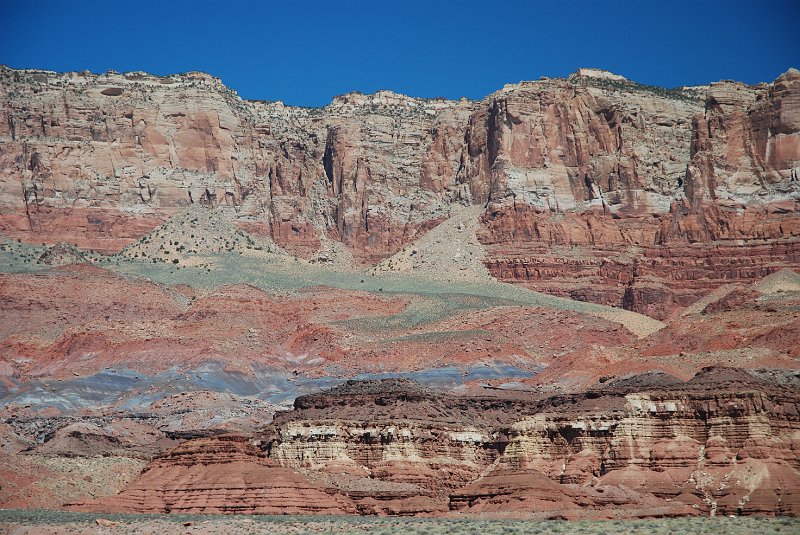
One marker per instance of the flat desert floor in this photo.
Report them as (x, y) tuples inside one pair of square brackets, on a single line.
[(18, 522)]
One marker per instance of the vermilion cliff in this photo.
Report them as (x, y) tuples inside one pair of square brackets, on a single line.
[(595, 187)]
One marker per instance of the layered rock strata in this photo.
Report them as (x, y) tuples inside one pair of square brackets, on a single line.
[(103, 157), (725, 442)]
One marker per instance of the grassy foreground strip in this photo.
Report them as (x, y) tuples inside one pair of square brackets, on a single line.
[(47, 522)]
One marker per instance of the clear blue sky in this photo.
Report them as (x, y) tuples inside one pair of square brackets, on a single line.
[(305, 52)]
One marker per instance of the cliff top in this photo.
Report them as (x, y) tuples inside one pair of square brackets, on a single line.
[(381, 98)]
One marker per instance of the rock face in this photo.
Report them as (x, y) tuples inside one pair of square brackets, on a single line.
[(106, 156), (703, 451), (572, 172), (391, 431), (747, 141), (723, 443)]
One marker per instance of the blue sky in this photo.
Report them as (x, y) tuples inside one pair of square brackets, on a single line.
[(305, 52)]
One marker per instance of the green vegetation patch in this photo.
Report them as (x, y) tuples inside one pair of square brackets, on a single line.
[(17, 257)]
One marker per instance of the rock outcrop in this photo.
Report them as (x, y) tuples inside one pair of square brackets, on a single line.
[(223, 475), (724, 442), (62, 254), (701, 447)]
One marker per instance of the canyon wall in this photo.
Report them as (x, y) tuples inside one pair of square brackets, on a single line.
[(595, 187)]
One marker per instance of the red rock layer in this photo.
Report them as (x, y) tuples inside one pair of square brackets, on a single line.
[(104, 158), (525, 491), (654, 264), (588, 161), (88, 318)]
